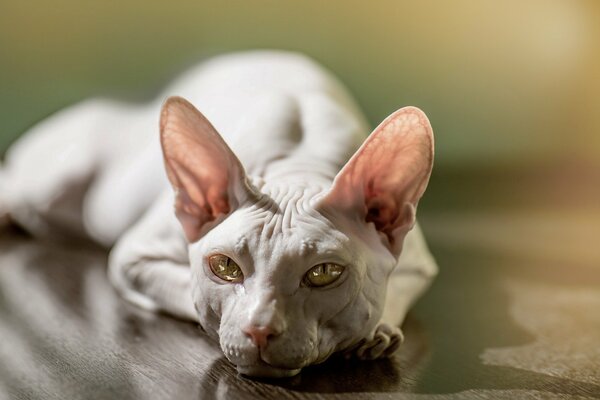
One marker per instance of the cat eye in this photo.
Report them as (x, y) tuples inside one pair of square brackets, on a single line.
[(323, 274), (225, 268)]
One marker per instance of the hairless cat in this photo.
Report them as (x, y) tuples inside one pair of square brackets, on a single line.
[(275, 227)]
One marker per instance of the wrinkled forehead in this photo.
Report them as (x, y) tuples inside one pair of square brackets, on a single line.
[(301, 238), (284, 221)]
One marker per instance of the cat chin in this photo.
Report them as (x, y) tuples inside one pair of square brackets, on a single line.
[(264, 370)]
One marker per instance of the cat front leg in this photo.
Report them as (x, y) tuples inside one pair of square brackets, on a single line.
[(149, 266), (156, 285), (385, 341), (403, 291), (414, 273)]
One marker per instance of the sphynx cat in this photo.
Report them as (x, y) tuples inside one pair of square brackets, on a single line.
[(281, 227)]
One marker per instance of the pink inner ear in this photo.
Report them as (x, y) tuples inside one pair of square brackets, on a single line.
[(196, 194), (381, 210), (389, 173), (202, 169)]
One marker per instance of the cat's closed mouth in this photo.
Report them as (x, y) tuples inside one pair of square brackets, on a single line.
[(261, 368), (264, 370)]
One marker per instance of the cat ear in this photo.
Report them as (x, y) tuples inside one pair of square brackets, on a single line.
[(208, 179), (384, 180)]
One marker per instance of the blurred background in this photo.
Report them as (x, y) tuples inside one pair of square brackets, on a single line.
[(512, 89), (503, 82)]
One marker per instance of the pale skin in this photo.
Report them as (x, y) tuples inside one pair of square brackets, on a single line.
[(273, 227)]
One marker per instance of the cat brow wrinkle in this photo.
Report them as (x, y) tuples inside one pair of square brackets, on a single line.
[(241, 245), (306, 246)]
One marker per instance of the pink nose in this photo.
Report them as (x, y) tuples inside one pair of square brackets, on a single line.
[(260, 334)]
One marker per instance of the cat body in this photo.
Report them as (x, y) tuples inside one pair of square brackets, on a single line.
[(273, 227)]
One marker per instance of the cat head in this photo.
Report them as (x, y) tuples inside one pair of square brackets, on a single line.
[(287, 273)]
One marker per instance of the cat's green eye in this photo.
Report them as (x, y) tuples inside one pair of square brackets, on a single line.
[(225, 268), (323, 274)]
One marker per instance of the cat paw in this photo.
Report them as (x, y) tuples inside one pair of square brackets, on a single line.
[(386, 340)]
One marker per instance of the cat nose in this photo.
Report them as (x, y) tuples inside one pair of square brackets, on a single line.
[(260, 334)]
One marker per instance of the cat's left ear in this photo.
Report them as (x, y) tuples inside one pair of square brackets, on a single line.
[(383, 182)]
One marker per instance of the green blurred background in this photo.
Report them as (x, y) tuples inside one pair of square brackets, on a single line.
[(512, 88), (503, 82)]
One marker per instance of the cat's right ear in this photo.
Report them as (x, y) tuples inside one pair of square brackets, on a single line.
[(208, 179), (384, 180)]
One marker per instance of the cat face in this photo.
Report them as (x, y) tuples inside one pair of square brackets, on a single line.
[(276, 244), (285, 274)]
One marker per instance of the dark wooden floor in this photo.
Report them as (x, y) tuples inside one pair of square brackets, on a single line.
[(515, 313)]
